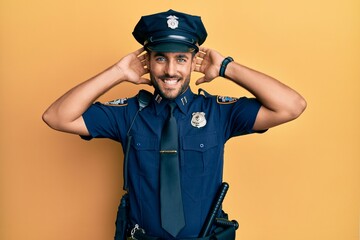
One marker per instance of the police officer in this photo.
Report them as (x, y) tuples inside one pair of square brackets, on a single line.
[(171, 52)]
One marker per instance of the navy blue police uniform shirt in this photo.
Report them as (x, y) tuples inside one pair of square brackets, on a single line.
[(205, 123)]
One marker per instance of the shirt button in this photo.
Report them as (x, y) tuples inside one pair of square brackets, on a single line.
[(201, 145)]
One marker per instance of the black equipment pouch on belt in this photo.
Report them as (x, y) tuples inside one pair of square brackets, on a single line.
[(122, 224)]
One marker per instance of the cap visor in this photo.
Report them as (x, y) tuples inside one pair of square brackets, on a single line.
[(170, 47)]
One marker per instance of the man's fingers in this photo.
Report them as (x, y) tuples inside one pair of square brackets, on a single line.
[(203, 50), (142, 57), (201, 54), (139, 51), (199, 61), (197, 68)]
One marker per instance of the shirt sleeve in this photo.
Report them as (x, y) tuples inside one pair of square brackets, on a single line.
[(242, 116), (102, 121)]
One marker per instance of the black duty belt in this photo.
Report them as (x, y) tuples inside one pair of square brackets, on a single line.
[(225, 230)]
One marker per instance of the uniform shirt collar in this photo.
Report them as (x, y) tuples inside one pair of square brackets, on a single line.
[(182, 101)]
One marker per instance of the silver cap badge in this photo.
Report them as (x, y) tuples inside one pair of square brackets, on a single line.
[(172, 22)]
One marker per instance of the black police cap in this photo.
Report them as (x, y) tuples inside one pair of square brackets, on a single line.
[(170, 31)]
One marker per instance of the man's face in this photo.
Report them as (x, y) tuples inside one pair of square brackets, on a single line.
[(170, 72)]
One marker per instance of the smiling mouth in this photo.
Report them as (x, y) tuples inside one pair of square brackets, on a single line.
[(170, 81)]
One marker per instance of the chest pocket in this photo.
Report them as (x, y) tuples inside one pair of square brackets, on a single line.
[(146, 150), (200, 154)]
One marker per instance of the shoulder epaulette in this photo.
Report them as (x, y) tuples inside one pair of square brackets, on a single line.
[(117, 102), (225, 100)]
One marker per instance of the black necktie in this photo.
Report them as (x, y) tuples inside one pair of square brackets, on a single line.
[(172, 213)]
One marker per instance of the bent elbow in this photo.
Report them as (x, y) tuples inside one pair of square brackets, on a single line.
[(49, 119), (46, 117), (298, 107)]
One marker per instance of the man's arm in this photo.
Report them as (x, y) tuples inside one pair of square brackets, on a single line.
[(65, 114), (280, 103)]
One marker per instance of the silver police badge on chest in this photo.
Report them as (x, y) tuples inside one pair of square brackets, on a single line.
[(198, 119)]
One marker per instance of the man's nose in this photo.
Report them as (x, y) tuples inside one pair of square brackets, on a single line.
[(170, 68)]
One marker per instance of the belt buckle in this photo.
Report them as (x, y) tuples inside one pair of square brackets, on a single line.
[(136, 229)]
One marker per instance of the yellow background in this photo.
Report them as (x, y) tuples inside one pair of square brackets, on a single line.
[(298, 181)]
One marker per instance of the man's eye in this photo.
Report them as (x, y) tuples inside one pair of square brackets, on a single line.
[(181, 60), (160, 59)]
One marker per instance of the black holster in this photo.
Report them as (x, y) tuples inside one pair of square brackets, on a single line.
[(122, 224)]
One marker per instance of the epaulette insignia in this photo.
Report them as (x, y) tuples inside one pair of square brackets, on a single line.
[(226, 100), (118, 102)]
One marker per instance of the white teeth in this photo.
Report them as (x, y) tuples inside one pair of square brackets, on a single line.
[(170, 82)]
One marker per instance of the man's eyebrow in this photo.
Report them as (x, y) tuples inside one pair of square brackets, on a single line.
[(182, 56), (157, 54)]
